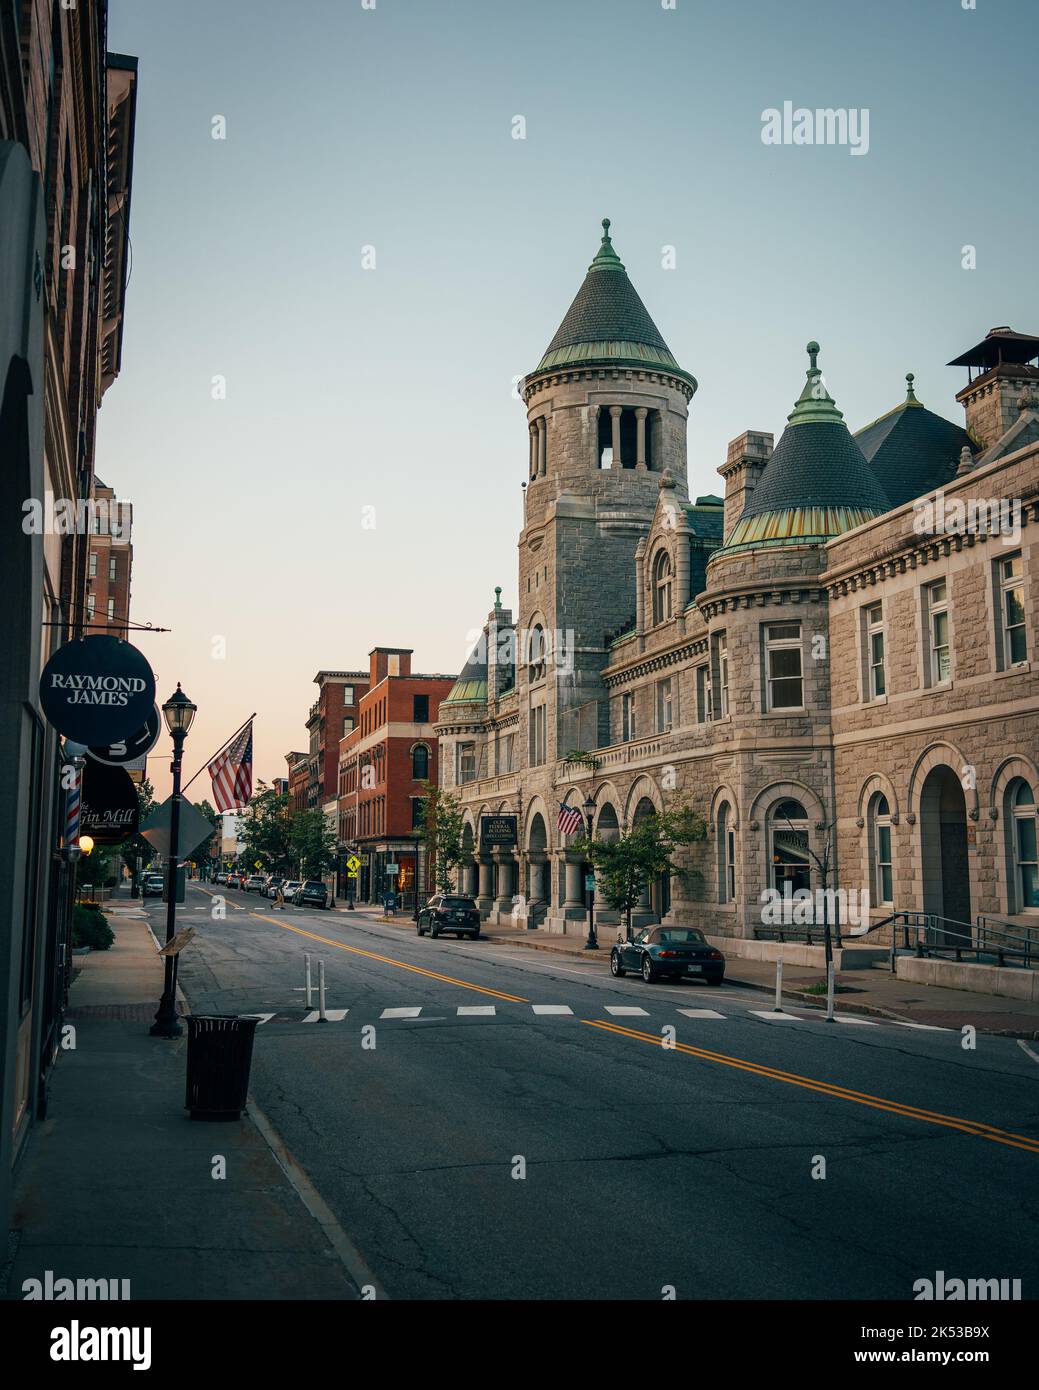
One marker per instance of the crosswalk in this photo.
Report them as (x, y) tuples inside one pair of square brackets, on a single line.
[(411, 1012)]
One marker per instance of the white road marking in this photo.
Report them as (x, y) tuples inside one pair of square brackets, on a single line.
[(476, 1011), (854, 1018), (260, 1018), (771, 1013), (701, 1013), (552, 1008), (626, 1010), (336, 1015), (923, 1027), (401, 1013), (1022, 1044), (312, 1017)]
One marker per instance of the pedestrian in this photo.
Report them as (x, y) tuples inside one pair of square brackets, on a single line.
[(279, 898)]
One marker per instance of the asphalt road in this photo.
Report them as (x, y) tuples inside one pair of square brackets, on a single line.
[(643, 1166)]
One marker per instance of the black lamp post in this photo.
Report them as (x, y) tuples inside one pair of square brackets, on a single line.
[(592, 944), (178, 711)]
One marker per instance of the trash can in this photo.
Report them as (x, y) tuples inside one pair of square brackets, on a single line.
[(220, 1053)]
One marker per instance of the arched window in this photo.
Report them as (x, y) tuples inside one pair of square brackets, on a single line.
[(882, 886), (419, 762), (726, 855), (536, 654), (1023, 846), (661, 587), (788, 847)]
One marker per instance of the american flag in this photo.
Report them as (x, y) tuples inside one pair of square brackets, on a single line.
[(232, 772), (570, 818)]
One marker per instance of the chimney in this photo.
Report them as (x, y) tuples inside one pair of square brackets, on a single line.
[(991, 398), (744, 463)]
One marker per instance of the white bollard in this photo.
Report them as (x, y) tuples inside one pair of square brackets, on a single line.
[(830, 974), (321, 992), (306, 967), (779, 985)]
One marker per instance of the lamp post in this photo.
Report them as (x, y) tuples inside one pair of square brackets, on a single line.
[(592, 944), (178, 712)]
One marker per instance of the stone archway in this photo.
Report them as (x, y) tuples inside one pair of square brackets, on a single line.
[(657, 897), (468, 875), (538, 886), (944, 850)]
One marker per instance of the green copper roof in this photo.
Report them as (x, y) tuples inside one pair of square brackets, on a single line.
[(608, 324), (814, 405)]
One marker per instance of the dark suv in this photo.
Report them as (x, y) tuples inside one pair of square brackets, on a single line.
[(312, 893), (449, 913)]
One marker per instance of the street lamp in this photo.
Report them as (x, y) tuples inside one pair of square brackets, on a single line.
[(178, 712), (592, 944)]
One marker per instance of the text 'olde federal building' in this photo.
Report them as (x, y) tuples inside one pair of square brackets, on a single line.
[(847, 639)]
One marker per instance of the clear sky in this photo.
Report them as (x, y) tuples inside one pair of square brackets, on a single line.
[(391, 388)]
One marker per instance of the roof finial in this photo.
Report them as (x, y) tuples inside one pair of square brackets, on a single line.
[(813, 349), (815, 404), (606, 258), (497, 595), (910, 397)]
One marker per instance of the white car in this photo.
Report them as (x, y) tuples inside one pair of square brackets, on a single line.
[(289, 887)]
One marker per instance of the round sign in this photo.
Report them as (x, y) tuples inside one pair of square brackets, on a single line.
[(128, 750), (110, 810), (97, 690)]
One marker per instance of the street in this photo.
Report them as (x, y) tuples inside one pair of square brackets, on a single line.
[(518, 1131)]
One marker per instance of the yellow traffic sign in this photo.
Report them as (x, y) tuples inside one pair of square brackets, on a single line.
[(353, 864)]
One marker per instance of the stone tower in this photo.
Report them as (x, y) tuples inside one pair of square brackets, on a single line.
[(607, 408)]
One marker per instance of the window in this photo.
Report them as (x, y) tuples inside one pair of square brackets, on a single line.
[(939, 661), (876, 681), (91, 605), (1014, 646), (726, 855), (348, 727), (465, 765), (112, 566), (536, 654), (704, 695), (788, 845), (661, 587), (506, 752), (419, 763), (883, 883), (783, 666), (1026, 864), (537, 735), (627, 717), (111, 609), (348, 695), (418, 807), (720, 675), (93, 564), (665, 711), (420, 709)]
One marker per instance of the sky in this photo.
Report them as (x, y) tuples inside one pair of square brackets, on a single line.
[(357, 480)]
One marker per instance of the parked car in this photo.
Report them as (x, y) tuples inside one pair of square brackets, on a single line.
[(312, 893), (669, 953), (254, 883), (274, 882), (289, 887), (446, 912), (152, 886), (235, 880)]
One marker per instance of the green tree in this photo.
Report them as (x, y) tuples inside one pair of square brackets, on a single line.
[(266, 831), (441, 832), (314, 842), (625, 867)]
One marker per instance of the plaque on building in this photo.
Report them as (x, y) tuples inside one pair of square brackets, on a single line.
[(497, 832)]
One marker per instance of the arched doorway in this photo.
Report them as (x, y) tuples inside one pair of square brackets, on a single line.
[(539, 871), (659, 893), (467, 868), (943, 848)]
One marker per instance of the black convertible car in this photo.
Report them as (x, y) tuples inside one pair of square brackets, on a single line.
[(669, 953)]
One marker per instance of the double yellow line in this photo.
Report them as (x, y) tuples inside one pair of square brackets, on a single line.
[(827, 1088), (388, 960)]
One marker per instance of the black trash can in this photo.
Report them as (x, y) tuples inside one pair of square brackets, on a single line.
[(220, 1053)]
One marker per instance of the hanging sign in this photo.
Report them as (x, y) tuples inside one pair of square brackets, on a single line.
[(127, 751), (97, 690), (110, 808)]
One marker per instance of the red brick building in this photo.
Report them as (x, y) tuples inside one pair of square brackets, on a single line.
[(382, 763), (109, 562), (332, 716), (296, 782)]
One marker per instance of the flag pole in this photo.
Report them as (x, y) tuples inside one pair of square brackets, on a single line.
[(219, 750)]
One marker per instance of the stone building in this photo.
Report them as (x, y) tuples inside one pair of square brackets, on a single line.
[(836, 660)]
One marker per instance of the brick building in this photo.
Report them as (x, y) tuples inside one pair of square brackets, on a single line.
[(67, 110), (843, 648), (382, 764), (109, 562), (298, 779), (332, 715)]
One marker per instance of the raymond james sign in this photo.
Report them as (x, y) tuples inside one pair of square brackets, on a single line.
[(97, 690), (497, 830)]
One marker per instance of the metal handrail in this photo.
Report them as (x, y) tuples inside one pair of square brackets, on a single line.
[(935, 935)]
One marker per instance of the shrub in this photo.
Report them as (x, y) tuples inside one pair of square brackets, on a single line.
[(90, 928)]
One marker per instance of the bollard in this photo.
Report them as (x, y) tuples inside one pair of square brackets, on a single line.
[(321, 992), (829, 991), (779, 985), (306, 966)]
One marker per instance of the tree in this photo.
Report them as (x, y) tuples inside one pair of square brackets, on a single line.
[(625, 867), (207, 855), (265, 832), (314, 842), (136, 851), (441, 833)]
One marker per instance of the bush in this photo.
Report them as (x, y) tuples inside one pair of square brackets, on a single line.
[(90, 928)]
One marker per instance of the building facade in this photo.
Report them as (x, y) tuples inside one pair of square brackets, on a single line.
[(66, 152), (836, 659), (109, 562), (383, 762)]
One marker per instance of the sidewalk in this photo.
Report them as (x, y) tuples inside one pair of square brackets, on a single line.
[(875, 992), (117, 1182)]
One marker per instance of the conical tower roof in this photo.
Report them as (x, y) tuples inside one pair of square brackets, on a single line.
[(912, 450), (608, 322), (817, 482)]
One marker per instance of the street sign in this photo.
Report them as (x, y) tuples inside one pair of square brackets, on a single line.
[(393, 869), (97, 690), (258, 864), (353, 863), (589, 883), (194, 828), (110, 807), (497, 831), (174, 947)]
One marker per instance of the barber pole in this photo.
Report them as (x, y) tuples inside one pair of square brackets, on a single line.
[(73, 801)]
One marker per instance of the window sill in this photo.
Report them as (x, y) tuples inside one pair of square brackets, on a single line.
[(779, 713), (876, 700), (1023, 668), (938, 688)]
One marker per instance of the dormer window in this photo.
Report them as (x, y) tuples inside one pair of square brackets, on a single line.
[(662, 586)]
